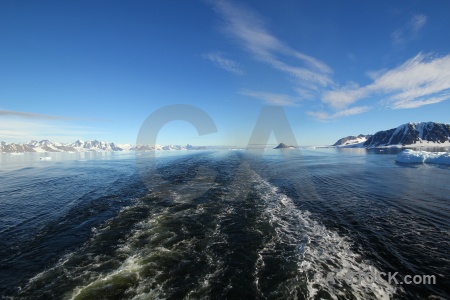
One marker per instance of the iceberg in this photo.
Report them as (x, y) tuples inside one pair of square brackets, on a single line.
[(411, 156)]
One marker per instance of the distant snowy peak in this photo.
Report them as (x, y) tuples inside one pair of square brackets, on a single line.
[(167, 147), (124, 146), (49, 146), (413, 134), (82, 146), (352, 140), (95, 145), (15, 148)]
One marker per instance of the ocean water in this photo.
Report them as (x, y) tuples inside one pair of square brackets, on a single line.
[(295, 224)]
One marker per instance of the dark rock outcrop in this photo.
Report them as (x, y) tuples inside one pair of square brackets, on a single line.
[(283, 146)]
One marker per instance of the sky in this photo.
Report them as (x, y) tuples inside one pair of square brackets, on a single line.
[(74, 70)]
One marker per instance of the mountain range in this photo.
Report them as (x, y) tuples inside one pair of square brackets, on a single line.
[(82, 146), (423, 134)]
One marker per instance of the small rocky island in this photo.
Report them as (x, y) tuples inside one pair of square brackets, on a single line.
[(284, 146)]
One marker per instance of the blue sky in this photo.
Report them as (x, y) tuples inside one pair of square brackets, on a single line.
[(96, 69)]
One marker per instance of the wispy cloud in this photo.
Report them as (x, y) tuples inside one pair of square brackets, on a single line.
[(224, 63), (248, 29), (17, 126), (411, 30), (323, 116), (29, 115), (422, 80), (19, 130), (398, 38), (272, 98), (417, 22), (341, 98)]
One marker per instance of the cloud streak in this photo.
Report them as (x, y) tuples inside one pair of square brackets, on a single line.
[(420, 81), (17, 126), (28, 115), (224, 63), (411, 30), (271, 98), (19, 130), (323, 116), (248, 29), (417, 23)]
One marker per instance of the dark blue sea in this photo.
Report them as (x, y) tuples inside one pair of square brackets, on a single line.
[(288, 224)]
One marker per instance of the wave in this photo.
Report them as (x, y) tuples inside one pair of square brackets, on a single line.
[(175, 243)]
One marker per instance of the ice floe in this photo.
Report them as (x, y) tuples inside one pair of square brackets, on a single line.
[(411, 156)]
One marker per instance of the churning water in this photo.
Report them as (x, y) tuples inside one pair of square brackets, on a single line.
[(223, 224)]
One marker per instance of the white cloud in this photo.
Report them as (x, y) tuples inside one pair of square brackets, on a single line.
[(271, 98), (419, 102), (417, 22), (341, 98), (321, 116), (28, 115), (14, 128), (31, 115), (324, 116), (224, 63), (374, 75), (411, 30), (351, 111), (249, 31), (398, 38), (422, 80), (306, 94)]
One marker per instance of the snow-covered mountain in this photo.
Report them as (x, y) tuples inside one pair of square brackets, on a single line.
[(423, 134), (48, 146), (15, 148), (412, 134), (82, 146), (352, 141), (94, 145), (125, 146), (147, 147)]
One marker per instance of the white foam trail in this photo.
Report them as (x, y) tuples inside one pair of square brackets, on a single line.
[(316, 250), (320, 251), (140, 259)]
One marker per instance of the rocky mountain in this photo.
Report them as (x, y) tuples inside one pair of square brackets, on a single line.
[(352, 140), (125, 146), (147, 147), (95, 145), (423, 134), (48, 146), (15, 148), (167, 147), (82, 146), (283, 146)]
